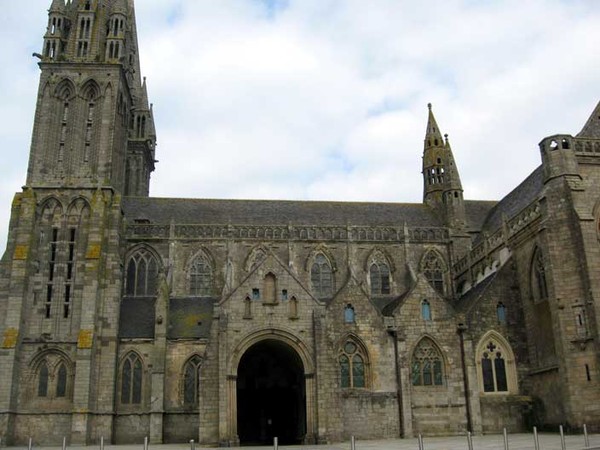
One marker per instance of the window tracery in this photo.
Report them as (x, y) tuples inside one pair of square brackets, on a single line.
[(434, 270), (352, 362), (191, 381), (142, 274), (131, 380), (321, 276), (427, 364), (201, 277), (380, 278), (495, 360)]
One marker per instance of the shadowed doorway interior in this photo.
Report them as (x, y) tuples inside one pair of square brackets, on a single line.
[(271, 395)]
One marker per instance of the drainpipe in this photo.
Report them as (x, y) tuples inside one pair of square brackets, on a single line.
[(461, 330), (394, 335)]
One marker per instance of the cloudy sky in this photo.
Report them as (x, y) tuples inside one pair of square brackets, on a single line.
[(326, 99)]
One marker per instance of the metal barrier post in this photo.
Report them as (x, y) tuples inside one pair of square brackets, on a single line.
[(586, 438), (101, 442), (146, 443), (421, 444), (64, 447), (470, 440), (275, 443), (192, 445), (30, 446), (562, 438), (505, 439), (536, 439), (352, 443)]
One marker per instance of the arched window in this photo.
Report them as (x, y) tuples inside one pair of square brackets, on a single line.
[(43, 380), (539, 285), (496, 363), (426, 310), (321, 277), (191, 381), (142, 275), (501, 313), (427, 364), (352, 366), (61, 381), (131, 380), (380, 279), (349, 314), (433, 268), (201, 277)]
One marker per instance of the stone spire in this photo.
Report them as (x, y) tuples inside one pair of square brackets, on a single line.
[(442, 188), (591, 129), (57, 6)]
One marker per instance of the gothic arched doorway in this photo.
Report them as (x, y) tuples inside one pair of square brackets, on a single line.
[(271, 395)]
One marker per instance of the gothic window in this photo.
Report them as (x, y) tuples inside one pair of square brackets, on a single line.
[(61, 381), (43, 380), (131, 380), (427, 364), (433, 269), (426, 310), (501, 313), (496, 365), (380, 279), (321, 277), (142, 275), (539, 283), (349, 314), (201, 277), (191, 381), (352, 366)]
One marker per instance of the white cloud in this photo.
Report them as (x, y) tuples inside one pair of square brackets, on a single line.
[(321, 99)]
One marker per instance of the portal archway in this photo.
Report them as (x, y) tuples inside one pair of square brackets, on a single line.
[(271, 394)]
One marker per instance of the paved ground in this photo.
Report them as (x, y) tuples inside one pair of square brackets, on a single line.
[(489, 442)]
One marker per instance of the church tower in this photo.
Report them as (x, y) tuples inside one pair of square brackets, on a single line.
[(93, 142), (92, 111), (441, 180)]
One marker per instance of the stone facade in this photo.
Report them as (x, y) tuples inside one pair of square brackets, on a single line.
[(223, 321)]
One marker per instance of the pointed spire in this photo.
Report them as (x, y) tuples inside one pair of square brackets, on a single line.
[(592, 127), (433, 135), (144, 99), (57, 6)]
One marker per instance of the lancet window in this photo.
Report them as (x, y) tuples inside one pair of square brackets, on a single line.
[(142, 274), (352, 362), (131, 380), (191, 381), (427, 364), (321, 276)]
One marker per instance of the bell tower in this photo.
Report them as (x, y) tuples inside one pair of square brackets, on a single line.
[(89, 100), (442, 188)]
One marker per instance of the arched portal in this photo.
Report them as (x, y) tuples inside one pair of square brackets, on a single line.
[(271, 394)]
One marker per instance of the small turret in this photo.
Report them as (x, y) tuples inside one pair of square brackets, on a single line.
[(55, 37), (116, 31), (442, 186)]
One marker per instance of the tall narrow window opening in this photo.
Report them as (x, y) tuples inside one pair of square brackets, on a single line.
[(131, 380), (426, 310), (43, 380), (201, 277), (352, 366), (191, 381), (322, 277), (380, 279), (142, 275), (433, 269)]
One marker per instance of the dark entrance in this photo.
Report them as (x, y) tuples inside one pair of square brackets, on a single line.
[(271, 395)]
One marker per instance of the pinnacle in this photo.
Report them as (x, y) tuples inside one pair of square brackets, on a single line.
[(433, 131), (57, 6), (591, 128)]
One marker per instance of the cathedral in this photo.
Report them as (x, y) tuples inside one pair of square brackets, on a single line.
[(231, 322)]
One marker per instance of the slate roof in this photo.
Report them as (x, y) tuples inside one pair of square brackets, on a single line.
[(523, 195), (278, 212), (477, 211), (472, 295)]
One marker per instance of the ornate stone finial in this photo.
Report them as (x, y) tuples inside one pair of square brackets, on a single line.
[(429, 105)]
